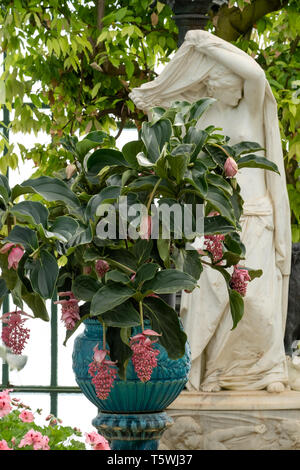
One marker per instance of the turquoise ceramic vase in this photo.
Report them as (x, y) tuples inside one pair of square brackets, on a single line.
[(133, 415)]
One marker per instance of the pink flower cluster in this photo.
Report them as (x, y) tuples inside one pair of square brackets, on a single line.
[(239, 280), (144, 357), (5, 406), (35, 439), (103, 373), (70, 309), (14, 256), (213, 244), (14, 335), (96, 441), (102, 267)]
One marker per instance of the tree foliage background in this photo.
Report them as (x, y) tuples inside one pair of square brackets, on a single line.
[(81, 58)]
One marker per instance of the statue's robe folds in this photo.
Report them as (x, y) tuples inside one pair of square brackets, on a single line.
[(251, 356)]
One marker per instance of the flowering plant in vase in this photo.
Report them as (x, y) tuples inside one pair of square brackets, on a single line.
[(115, 231)]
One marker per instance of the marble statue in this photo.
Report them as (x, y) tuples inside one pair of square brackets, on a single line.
[(252, 356)]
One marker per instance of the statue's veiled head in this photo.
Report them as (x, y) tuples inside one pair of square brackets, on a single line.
[(224, 85)]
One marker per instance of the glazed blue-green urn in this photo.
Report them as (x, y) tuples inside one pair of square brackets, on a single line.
[(133, 416)]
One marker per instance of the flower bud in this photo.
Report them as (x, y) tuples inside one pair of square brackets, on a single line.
[(230, 167), (102, 267)]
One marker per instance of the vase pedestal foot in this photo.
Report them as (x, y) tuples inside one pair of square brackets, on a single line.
[(140, 431)]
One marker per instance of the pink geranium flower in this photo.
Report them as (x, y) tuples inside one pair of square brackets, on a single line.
[(35, 439), (96, 441), (4, 445), (26, 416), (5, 406)]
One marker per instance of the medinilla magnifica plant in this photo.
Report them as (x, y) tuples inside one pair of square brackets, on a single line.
[(79, 234)]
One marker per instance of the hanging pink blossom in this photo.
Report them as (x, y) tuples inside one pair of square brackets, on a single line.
[(16, 253), (35, 439), (26, 416), (102, 267), (103, 373), (4, 445), (230, 167), (14, 335), (96, 441), (70, 309), (213, 244), (239, 280), (144, 356), (5, 406)]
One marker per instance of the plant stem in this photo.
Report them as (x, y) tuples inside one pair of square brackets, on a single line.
[(141, 314), (153, 194), (104, 337)]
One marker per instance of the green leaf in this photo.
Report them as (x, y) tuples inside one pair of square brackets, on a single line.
[(43, 274), (118, 350), (85, 287), (32, 212), (220, 202), (142, 250), (233, 243), (63, 228), (253, 273), (236, 306), (23, 236), (92, 140), (169, 281), (188, 261), (217, 225), (200, 107), (109, 297), (130, 151), (246, 147), (3, 288), (123, 316), (252, 161), (165, 321), (197, 137), (219, 182), (155, 136), (117, 276), (36, 304), (178, 165), (163, 246), (104, 157), (145, 273), (82, 236), (52, 189), (107, 195)]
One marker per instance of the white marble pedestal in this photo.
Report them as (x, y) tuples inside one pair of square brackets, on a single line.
[(229, 420)]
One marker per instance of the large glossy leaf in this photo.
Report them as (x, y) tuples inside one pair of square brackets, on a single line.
[(165, 321), (92, 140), (197, 137), (246, 147), (200, 107), (123, 316), (221, 203), (107, 196), (63, 228), (32, 212), (155, 136), (219, 182), (51, 189), (236, 306), (43, 274), (82, 236), (169, 281), (104, 157), (23, 236), (109, 297), (188, 261), (85, 287), (178, 165), (130, 151), (252, 161), (233, 243), (36, 304), (217, 224), (117, 276), (146, 272)]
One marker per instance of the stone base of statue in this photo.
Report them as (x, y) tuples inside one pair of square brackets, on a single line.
[(229, 420)]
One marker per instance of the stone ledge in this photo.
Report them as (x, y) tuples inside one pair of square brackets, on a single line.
[(231, 400)]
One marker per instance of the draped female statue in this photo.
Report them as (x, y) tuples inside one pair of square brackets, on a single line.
[(250, 357)]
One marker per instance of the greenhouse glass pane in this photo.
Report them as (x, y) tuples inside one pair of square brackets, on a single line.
[(36, 401), (75, 410), (65, 371)]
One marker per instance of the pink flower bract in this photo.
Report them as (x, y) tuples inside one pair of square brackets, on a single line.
[(14, 335), (70, 309), (103, 373), (102, 267), (144, 356), (213, 244), (239, 280), (230, 167)]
